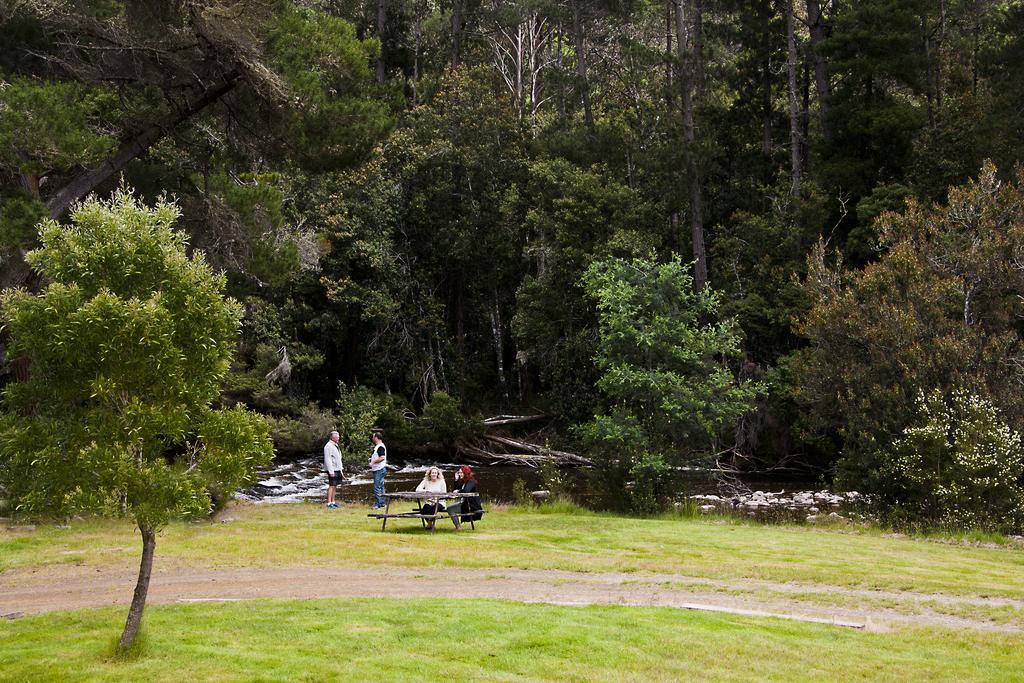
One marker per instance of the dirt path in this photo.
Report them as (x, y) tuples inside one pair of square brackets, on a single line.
[(73, 587)]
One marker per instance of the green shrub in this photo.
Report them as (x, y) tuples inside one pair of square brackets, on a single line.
[(649, 489), (554, 479), (305, 433), (938, 310), (958, 465), (520, 496), (359, 411), (443, 421)]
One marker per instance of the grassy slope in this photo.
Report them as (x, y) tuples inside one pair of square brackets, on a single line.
[(303, 535), (484, 640)]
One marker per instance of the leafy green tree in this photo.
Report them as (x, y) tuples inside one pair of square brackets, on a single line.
[(422, 241), (127, 345), (664, 373)]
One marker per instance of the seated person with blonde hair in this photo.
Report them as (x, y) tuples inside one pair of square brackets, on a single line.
[(433, 482)]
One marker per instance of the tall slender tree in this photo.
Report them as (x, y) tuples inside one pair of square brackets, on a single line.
[(795, 141), (686, 79)]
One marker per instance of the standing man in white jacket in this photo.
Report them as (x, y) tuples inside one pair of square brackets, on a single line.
[(332, 463)]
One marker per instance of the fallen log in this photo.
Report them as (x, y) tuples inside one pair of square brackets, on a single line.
[(514, 452), (501, 420), (561, 457), (478, 456)]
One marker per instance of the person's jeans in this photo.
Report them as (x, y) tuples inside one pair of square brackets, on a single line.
[(454, 509), (378, 486)]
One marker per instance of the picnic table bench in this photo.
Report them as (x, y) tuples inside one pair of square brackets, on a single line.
[(420, 497)]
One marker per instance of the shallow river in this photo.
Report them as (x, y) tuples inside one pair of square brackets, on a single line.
[(289, 480)]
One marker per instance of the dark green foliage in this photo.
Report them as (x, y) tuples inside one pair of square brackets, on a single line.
[(359, 412), (51, 123), (576, 215), (304, 433), (443, 423), (326, 68), (19, 217), (874, 47)]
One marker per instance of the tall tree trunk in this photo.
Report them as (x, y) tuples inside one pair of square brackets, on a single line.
[(581, 63), (794, 108), (669, 93), (560, 61), (977, 9), (499, 345), (805, 109), (460, 317), (456, 33), (519, 61), (766, 78), (382, 18), (940, 48), (693, 176), (929, 71), (88, 181), (417, 49), (819, 29), (131, 626), (697, 48)]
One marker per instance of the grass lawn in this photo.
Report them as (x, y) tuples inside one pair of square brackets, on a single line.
[(309, 535), (391, 640)]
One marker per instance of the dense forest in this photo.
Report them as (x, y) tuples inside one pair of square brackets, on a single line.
[(770, 235)]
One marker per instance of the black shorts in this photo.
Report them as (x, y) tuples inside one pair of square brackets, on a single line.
[(333, 479)]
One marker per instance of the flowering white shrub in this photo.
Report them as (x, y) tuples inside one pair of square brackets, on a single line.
[(959, 464)]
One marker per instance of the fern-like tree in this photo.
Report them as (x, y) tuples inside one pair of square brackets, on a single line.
[(127, 344)]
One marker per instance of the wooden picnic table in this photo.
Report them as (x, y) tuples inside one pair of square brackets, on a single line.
[(421, 497)]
